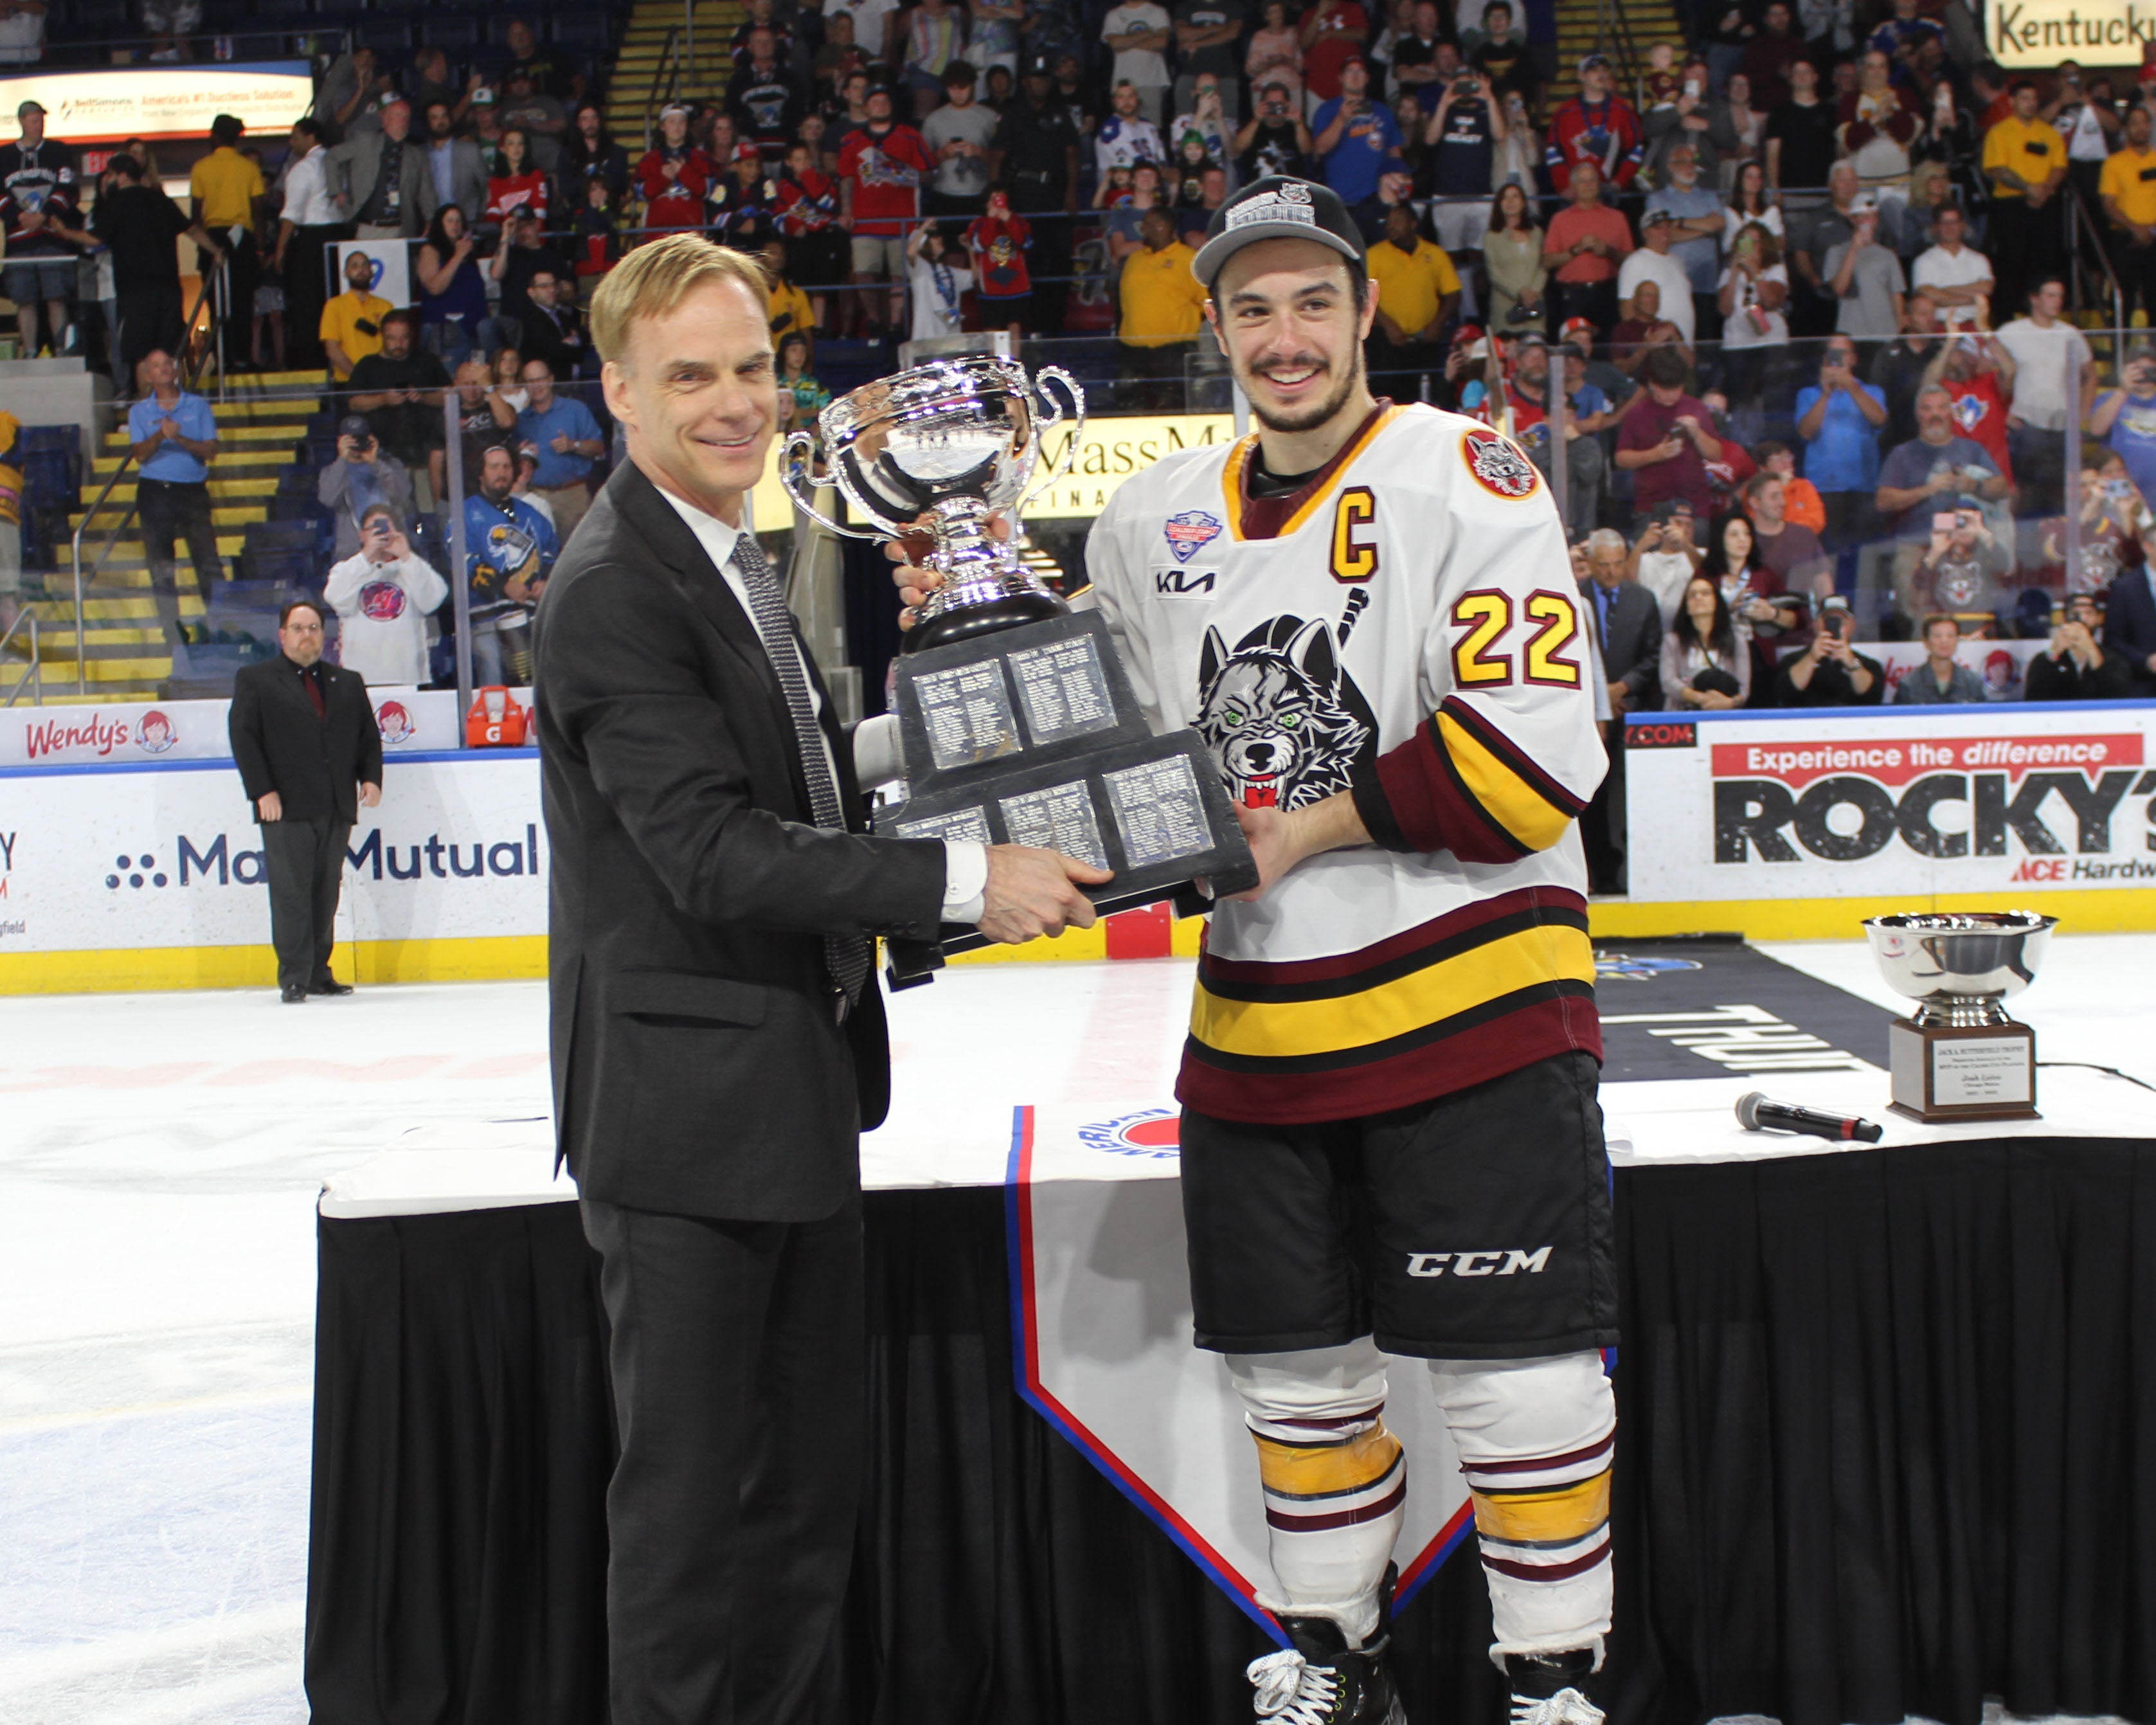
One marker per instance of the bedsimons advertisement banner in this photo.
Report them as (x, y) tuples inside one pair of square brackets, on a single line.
[(136, 862), (1886, 803)]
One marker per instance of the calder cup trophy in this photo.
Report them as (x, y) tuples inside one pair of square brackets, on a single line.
[(1016, 717), (1959, 1056)]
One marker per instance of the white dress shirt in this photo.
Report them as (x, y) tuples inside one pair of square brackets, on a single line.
[(966, 862), (306, 191)]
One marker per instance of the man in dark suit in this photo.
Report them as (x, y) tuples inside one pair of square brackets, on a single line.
[(718, 1040), (1628, 624), (309, 755), (2129, 627)]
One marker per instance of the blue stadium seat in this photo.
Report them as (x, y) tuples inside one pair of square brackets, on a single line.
[(581, 30), (448, 30), (385, 36)]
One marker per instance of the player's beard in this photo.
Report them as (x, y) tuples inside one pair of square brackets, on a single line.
[(1309, 418)]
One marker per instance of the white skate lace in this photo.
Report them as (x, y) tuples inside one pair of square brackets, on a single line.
[(1567, 1706), (1292, 1690)]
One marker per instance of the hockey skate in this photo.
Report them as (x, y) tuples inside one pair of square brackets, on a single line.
[(1553, 1688), (1321, 1681)]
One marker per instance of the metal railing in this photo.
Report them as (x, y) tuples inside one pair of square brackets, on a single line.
[(665, 80), (34, 675), (190, 372), (2082, 225)]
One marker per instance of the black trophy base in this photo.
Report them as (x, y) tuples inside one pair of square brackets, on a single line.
[(1031, 736), (1012, 611)]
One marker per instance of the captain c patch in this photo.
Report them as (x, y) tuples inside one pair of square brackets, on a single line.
[(1497, 464)]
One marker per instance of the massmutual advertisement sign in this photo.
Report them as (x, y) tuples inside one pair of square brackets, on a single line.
[(2034, 35), (158, 101), (109, 861), (1894, 803)]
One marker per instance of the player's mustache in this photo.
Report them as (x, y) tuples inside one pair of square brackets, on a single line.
[(1300, 363)]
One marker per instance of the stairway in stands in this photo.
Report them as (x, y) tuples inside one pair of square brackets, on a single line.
[(643, 49), (1647, 21), (126, 656)]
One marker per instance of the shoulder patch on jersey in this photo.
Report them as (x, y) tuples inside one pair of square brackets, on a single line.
[(1497, 465), (1190, 532)]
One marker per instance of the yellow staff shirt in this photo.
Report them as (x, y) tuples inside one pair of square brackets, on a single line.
[(227, 184), (1162, 299), (1411, 285), (2032, 148), (340, 323), (2129, 181)]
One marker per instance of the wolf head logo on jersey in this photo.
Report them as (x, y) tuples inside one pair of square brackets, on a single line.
[(1281, 715)]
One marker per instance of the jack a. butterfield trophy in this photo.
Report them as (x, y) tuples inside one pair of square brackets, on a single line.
[(1016, 718), (1959, 1056)]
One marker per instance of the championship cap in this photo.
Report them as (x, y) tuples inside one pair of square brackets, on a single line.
[(1278, 207)]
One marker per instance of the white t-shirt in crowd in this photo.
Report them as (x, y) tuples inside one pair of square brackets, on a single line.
[(1663, 269), (2042, 361), (1666, 574), (1735, 221), (1145, 67), (381, 616), (938, 289), (1941, 268), (1737, 328)]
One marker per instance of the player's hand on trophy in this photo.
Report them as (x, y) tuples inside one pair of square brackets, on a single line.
[(1032, 892), (915, 582)]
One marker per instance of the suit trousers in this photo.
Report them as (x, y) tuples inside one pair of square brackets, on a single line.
[(305, 862), (736, 1360), (243, 275), (178, 509)]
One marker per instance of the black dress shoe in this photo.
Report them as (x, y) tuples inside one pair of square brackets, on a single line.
[(294, 995), (332, 987)]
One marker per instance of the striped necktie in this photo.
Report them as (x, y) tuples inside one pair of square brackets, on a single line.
[(846, 957)]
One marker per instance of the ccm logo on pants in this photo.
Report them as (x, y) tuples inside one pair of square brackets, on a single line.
[(1508, 1262)]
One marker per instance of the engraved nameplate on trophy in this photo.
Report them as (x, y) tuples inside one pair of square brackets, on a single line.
[(1960, 1057)]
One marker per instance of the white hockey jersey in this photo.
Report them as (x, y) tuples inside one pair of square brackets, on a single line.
[(1405, 628)]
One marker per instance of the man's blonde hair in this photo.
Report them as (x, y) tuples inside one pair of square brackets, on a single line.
[(654, 279)]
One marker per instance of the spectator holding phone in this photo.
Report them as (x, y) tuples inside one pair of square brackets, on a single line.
[(1665, 557), (2125, 417), (1839, 419), (1957, 570), (2073, 666), (1830, 672), (383, 596), (364, 474)]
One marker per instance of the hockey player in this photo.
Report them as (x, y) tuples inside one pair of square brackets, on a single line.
[(1391, 1144)]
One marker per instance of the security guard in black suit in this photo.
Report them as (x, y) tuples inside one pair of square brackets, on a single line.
[(309, 755)]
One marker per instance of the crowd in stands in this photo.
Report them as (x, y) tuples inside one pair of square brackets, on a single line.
[(1809, 278)]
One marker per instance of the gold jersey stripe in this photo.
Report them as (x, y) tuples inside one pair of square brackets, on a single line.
[(1231, 475), (1544, 1517), (1298, 1472), (1285, 1029), (1506, 798)]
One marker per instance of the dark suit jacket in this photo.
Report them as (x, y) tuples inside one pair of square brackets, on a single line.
[(2129, 630), (699, 1066), (349, 174), (315, 765), (1632, 643)]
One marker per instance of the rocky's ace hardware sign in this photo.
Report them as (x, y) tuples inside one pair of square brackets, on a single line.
[(1893, 801)]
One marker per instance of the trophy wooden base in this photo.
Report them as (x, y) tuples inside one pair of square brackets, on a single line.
[(1031, 736), (1942, 1074)]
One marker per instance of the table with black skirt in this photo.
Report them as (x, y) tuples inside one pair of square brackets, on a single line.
[(1887, 1425)]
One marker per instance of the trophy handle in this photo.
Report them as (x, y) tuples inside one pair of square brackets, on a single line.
[(804, 445), (1042, 377)]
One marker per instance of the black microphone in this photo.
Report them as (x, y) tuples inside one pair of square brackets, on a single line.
[(1755, 1113)]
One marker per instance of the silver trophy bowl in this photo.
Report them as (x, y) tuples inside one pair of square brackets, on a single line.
[(932, 452), (1960, 968)]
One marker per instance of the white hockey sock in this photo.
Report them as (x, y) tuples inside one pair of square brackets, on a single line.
[(1535, 1438), (1335, 1481)]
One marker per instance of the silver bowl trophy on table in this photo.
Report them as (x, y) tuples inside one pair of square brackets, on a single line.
[(1959, 1056), (1016, 718)]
